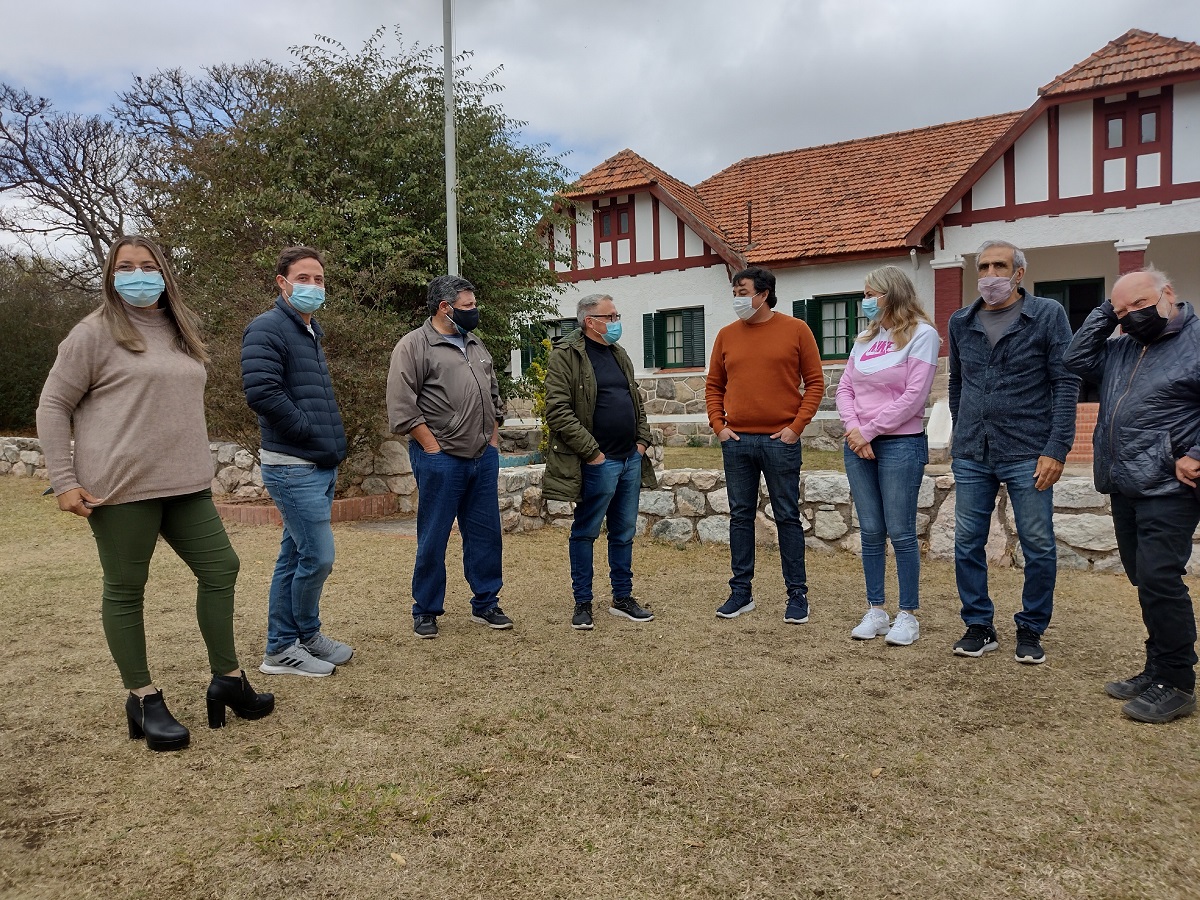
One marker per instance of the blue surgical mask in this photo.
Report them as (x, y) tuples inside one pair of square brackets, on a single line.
[(138, 288), (870, 307), (306, 298), (612, 332)]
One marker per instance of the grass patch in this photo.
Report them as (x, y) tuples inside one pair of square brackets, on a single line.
[(686, 757)]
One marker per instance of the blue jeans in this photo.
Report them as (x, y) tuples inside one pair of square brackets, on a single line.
[(746, 460), (304, 497), (610, 489), (885, 493), (451, 487), (976, 485)]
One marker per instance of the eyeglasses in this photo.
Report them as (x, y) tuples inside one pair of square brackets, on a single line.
[(611, 317), (130, 267)]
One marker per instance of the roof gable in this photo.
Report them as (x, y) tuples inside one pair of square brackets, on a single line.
[(1134, 56)]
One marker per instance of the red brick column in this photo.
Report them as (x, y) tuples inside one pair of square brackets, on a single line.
[(1131, 256), (947, 296)]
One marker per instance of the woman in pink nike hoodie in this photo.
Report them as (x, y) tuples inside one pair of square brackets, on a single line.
[(881, 398)]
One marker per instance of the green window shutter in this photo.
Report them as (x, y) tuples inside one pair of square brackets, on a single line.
[(648, 340), (660, 339), (799, 311), (526, 347), (693, 337), (569, 325)]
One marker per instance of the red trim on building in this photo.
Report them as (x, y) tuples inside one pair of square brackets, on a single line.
[(646, 267), (574, 237), (1130, 261), (656, 229), (1112, 200), (947, 300), (1010, 176), (1052, 161)]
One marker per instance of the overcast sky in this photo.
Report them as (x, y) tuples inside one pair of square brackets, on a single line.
[(692, 85)]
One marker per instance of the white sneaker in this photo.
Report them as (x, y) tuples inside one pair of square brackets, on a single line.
[(905, 630), (873, 624)]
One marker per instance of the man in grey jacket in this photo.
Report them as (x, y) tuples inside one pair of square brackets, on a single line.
[(442, 393), (1013, 406), (1147, 457)]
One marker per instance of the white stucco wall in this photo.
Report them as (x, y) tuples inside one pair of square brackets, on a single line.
[(643, 226), (1185, 140), (1075, 149), (988, 191), (1032, 163), (668, 226)]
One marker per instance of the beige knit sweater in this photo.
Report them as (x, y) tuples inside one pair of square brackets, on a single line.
[(138, 418)]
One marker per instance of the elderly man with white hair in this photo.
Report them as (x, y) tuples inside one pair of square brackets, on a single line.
[(1147, 456)]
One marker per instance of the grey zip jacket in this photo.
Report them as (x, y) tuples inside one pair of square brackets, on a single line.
[(452, 392), (1149, 401)]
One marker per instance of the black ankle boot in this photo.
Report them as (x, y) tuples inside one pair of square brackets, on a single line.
[(236, 693), (149, 718)]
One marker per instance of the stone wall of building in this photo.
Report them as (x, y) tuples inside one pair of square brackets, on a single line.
[(693, 505)]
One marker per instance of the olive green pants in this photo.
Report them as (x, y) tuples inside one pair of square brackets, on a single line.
[(126, 535)]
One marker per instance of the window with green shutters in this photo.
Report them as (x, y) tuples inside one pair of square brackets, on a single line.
[(674, 339), (835, 320)]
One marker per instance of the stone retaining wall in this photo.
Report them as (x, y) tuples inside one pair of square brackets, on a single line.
[(693, 505)]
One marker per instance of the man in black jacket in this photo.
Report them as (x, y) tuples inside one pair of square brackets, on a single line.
[(287, 384), (1147, 456)]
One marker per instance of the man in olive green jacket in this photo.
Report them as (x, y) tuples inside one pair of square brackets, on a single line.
[(597, 453)]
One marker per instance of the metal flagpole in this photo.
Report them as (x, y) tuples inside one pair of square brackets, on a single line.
[(451, 151)]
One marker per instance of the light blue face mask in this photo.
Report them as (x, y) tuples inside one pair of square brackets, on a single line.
[(612, 332), (306, 298), (138, 288), (870, 307)]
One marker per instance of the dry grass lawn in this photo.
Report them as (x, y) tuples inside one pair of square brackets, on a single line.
[(689, 757)]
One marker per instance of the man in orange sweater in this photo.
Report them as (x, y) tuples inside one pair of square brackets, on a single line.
[(764, 385)]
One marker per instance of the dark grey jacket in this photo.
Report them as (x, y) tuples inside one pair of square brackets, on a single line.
[(1016, 399), (1149, 401)]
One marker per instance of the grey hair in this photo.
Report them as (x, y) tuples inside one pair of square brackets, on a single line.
[(1161, 280), (587, 304), (445, 289), (1018, 253)]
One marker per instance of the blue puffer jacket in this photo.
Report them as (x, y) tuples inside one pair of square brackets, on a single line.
[(287, 384), (1149, 401)]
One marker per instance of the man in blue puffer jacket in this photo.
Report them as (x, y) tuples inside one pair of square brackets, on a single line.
[(1147, 456), (286, 381)]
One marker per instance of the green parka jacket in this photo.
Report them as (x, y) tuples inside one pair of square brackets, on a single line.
[(570, 406)]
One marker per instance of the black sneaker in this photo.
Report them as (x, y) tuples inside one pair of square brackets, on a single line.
[(582, 620), (978, 640), (1029, 647), (734, 607), (425, 626), (493, 618), (1130, 687), (627, 608), (1160, 703)]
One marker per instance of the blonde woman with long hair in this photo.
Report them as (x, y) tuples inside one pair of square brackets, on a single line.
[(128, 387), (881, 398)]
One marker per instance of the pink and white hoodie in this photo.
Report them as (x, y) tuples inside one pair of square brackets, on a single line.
[(884, 390)]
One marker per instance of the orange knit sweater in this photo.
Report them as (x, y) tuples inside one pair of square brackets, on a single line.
[(764, 377)]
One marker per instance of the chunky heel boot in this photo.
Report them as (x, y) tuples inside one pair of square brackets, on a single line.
[(236, 693), (149, 718)]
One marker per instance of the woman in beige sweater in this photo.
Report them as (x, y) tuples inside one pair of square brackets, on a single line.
[(129, 384)]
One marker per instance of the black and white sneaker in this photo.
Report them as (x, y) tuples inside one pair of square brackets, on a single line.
[(734, 607), (1029, 647), (627, 608), (582, 620), (425, 626), (978, 640), (493, 618)]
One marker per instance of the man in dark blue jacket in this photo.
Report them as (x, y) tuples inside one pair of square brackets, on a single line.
[(1013, 405), (287, 384), (1147, 456)]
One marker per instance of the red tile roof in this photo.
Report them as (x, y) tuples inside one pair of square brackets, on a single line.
[(628, 173), (1134, 56), (854, 197)]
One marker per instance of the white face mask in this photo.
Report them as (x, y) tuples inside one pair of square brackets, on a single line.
[(744, 307)]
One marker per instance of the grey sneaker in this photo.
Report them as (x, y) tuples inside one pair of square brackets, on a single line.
[(328, 649), (295, 660)]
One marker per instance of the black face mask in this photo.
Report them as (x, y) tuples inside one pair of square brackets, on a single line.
[(464, 319), (1144, 325)]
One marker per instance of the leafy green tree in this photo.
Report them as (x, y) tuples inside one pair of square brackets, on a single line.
[(342, 151)]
